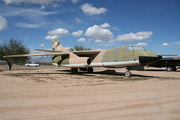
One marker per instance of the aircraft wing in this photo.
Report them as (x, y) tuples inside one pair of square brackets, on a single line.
[(47, 50), (39, 54), (86, 52)]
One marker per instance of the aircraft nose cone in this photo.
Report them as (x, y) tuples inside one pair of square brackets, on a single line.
[(144, 60)]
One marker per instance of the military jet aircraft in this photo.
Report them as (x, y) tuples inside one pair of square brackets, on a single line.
[(124, 56)]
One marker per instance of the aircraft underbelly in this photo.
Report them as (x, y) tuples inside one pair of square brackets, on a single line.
[(115, 64), (75, 65), (104, 64)]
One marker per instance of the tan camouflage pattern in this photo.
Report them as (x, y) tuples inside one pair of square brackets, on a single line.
[(109, 56), (57, 46)]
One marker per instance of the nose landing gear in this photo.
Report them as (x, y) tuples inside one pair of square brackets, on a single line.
[(128, 73)]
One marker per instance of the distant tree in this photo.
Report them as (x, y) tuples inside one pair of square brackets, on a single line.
[(79, 48), (13, 47)]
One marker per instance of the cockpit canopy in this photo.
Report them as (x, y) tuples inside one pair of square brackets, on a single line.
[(133, 47)]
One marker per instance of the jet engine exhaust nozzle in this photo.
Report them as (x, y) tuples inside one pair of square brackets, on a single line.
[(89, 61)]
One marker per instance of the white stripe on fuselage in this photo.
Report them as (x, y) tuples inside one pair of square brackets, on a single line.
[(115, 64)]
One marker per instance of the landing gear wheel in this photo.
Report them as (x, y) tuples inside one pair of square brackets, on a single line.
[(174, 68), (128, 73), (90, 70), (171, 68), (74, 70)]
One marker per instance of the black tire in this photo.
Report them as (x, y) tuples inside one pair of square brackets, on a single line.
[(90, 70), (174, 68), (74, 70), (128, 73), (171, 68)]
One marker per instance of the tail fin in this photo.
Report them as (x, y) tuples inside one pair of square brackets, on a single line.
[(57, 46)]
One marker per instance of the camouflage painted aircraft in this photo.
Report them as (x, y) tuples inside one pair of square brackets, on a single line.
[(124, 56)]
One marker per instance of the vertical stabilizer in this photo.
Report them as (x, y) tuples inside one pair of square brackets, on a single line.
[(57, 46)]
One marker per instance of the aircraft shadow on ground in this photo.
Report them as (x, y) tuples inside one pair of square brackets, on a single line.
[(159, 70), (24, 69), (105, 72), (84, 73)]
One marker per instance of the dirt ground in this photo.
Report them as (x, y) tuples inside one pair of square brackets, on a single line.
[(50, 93)]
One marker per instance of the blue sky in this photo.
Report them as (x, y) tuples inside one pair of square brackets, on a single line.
[(97, 24)]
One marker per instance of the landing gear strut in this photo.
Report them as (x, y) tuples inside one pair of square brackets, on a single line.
[(128, 73)]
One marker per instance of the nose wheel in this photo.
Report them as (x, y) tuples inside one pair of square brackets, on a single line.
[(128, 73)]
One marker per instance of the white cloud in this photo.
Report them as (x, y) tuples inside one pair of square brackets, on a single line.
[(134, 36), (81, 40), (42, 45), (97, 32), (142, 44), (28, 18), (27, 25), (55, 5), (30, 14), (49, 37), (26, 37), (78, 20), (3, 24), (179, 47), (165, 44), (90, 10), (77, 34), (59, 31), (75, 1), (115, 28), (30, 47), (67, 48), (112, 40), (42, 7), (41, 2), (98, 41), (105, 25)]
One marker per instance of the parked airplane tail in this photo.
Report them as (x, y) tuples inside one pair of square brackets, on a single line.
[(68, 60), (56, 45)]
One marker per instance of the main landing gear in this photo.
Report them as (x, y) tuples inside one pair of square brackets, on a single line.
[(90, 70), (75, 70), (171, 68)]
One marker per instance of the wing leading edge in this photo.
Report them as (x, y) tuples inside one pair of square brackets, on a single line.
[(47, 50), (86, 52), (40, 54)]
